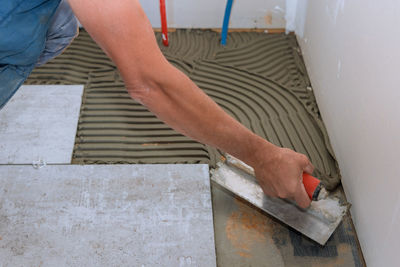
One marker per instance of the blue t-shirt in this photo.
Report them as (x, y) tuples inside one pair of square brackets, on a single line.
[(23, 28)]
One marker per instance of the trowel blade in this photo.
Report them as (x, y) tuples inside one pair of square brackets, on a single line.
[(318, 222)]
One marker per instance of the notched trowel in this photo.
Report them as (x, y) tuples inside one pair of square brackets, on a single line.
[(318, 222)]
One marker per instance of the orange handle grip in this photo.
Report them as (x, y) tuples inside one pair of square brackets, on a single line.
[(312, 186)]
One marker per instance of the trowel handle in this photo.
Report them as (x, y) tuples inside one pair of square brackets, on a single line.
[(312, 185)]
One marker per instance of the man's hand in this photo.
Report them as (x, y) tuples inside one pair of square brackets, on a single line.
[(280, 173)]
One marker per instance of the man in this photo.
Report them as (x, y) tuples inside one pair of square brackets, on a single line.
[(33, 31)]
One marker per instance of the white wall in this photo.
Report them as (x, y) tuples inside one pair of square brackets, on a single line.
[(351, 49), (210, 13)]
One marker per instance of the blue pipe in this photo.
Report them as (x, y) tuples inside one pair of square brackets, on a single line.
[(225, 24)]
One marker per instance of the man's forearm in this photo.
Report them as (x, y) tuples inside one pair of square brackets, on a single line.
[(186, 108), (126, 35)]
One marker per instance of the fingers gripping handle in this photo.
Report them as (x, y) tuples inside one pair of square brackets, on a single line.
[(312, 185)]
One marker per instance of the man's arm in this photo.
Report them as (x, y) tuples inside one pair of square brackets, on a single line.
[(123, 31)]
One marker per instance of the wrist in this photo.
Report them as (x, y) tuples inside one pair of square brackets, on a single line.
[(261, 150)]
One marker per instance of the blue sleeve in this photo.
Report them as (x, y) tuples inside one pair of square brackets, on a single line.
[(23, 28)]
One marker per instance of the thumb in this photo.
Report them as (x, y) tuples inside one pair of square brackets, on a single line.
[(305, 163), (308, 168)]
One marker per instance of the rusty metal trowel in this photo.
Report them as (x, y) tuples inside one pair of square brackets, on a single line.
[(317, 222)]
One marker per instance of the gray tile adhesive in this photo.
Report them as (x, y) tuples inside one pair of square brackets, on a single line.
[(260, 79)]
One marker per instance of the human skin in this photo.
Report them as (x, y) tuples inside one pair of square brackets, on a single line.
[(123, 31)]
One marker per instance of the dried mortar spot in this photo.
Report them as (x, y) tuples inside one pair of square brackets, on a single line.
[(245, 229)]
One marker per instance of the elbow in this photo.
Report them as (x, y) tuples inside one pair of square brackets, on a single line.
[(139, 91), (143, 89), (145, 85)]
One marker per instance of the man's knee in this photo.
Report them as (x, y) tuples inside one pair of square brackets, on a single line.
[(62, 31)]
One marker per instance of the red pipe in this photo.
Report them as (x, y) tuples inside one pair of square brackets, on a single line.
[(164, 29)]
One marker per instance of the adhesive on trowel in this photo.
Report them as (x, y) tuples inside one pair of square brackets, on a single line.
[(317, 222)]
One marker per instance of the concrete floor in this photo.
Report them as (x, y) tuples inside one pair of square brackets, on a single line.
[(244, 236), (106, 215)]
